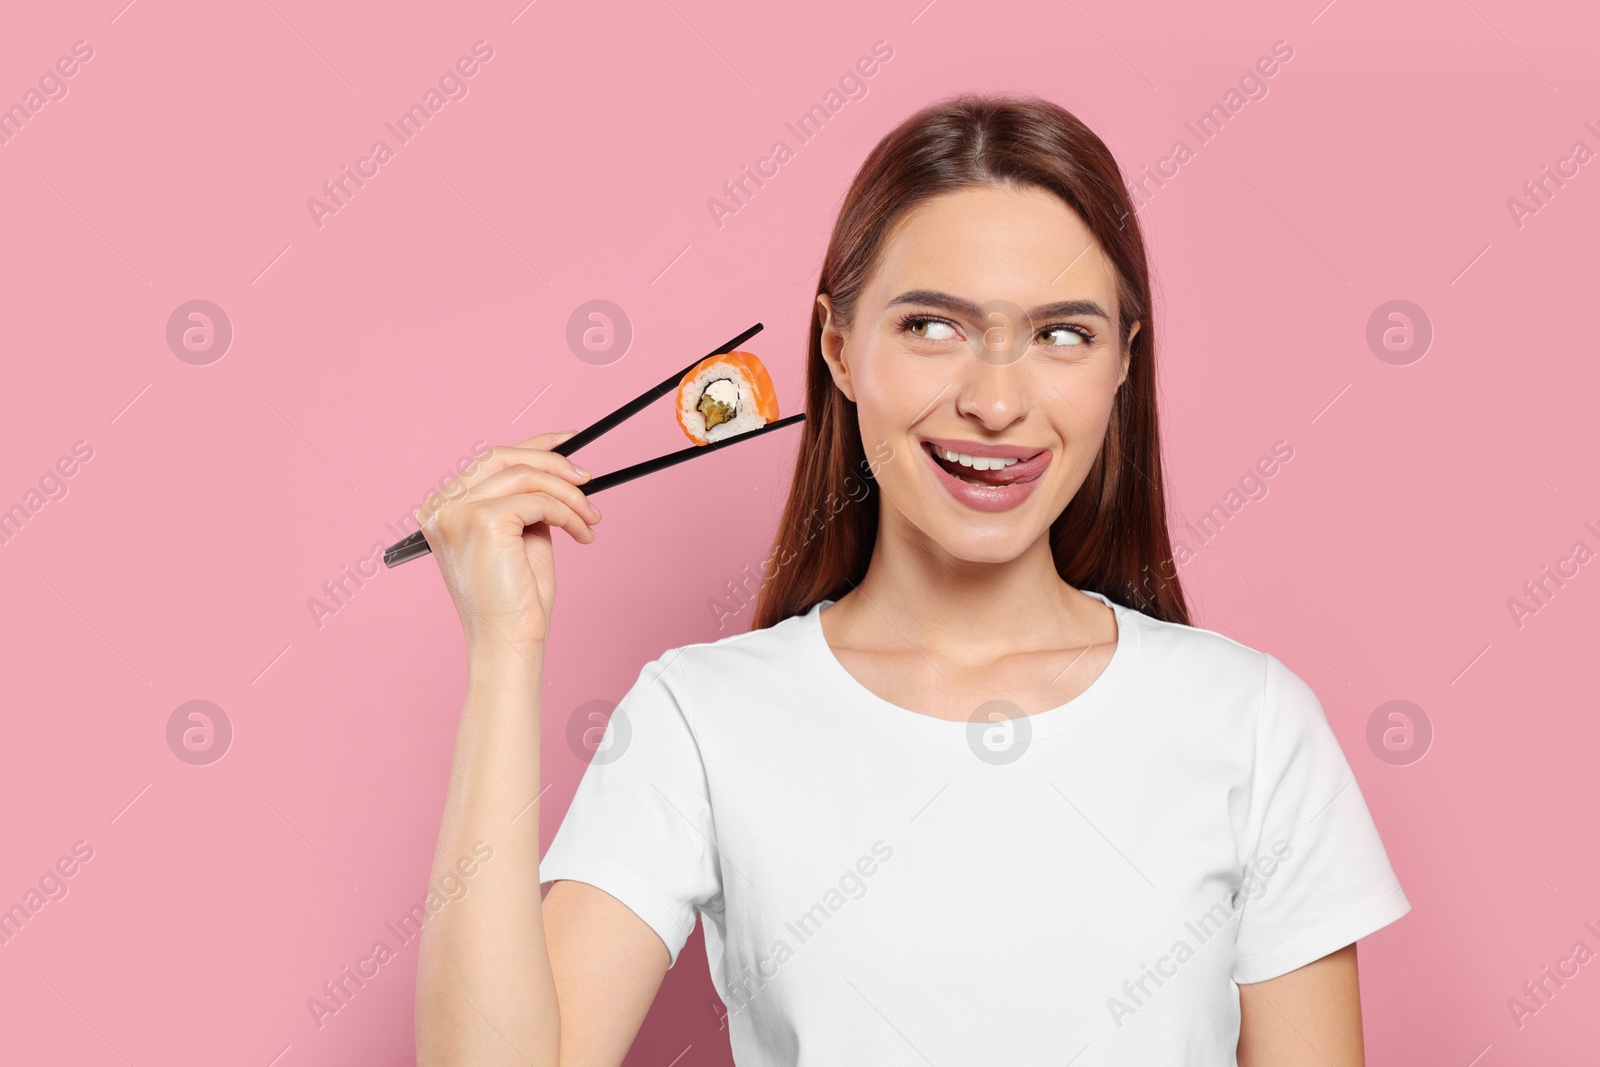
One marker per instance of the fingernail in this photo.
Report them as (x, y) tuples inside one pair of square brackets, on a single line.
[(580, 471)]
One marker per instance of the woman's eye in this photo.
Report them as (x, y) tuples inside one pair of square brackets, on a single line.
[(930, 329), (1061, 336)]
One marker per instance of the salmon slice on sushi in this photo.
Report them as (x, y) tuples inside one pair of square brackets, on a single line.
[(724, 396)]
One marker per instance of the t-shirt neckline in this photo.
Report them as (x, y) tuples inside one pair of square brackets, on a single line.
[(1074, 713)]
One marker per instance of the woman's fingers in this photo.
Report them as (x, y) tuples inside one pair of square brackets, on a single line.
[(521, 478), (500, 458), (533, 508), (515, 482), (546, 440), (478, 529), (481, 520)]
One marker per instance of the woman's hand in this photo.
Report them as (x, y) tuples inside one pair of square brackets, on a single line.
[(490, 532)]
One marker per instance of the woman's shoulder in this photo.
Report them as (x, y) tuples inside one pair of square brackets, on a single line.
[(764, 654), (1197, 657), (1208, 667)]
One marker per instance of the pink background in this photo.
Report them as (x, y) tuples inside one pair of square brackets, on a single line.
[(370, 353)]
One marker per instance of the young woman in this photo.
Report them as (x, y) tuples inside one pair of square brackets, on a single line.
[(973, 790)]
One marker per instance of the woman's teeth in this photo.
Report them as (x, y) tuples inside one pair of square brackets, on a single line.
[(978, 463), (954, 461)]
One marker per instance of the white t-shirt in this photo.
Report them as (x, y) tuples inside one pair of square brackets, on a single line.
[(1085, 885)]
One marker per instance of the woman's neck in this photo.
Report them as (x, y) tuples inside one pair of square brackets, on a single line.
[(915, 591)]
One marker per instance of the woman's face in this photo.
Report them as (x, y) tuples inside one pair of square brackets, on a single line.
[(988, 330)]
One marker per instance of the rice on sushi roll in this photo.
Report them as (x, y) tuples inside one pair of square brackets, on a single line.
[(724, 396)]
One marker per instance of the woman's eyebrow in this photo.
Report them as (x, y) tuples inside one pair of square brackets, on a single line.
[(972, 310)]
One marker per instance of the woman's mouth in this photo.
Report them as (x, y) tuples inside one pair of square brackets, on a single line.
[(998, 480)]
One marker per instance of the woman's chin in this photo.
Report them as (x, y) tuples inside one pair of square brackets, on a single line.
[(982, 541), (971, 535)]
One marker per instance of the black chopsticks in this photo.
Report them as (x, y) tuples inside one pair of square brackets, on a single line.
[(650, 466), (417, 544), (644, 400)]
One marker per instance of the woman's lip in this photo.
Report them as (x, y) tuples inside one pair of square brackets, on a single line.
[(1023, 471), (981, 499)]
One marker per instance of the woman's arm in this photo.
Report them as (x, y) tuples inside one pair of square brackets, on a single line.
[(500, 979), (503, 978), (1310, 1017)]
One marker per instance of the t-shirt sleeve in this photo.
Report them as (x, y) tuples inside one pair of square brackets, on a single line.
[(640, 826), (1317, 877)]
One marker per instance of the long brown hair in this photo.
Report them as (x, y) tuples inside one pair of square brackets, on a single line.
[(1112, 537)]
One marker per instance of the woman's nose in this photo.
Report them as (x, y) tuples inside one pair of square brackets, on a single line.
[(996, 394)]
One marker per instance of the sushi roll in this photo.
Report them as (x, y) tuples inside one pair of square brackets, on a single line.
[(724, 396)]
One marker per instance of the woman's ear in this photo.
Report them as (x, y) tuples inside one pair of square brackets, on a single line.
[(833, 347), (1127, 354)]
